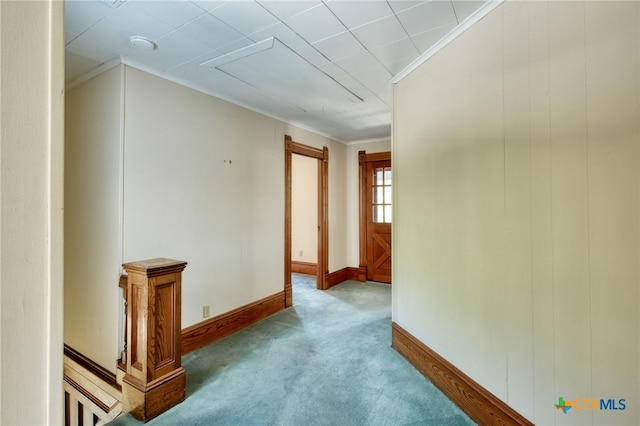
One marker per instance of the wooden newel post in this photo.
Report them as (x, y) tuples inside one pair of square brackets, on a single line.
[(154, 379)]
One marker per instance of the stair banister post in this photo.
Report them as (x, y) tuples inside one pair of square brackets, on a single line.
[(154, 380)]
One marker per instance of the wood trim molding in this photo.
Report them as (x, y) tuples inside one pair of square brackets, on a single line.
[(307, 268), (378, 156), (362, 202), (307, 151), (323, 219), (479, 404), (322, 155), (92, 367), (288, 288), (216, 328)]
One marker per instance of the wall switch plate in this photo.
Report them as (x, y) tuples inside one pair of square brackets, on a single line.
[(206, 311)]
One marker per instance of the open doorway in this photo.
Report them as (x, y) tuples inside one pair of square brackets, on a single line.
[(304, 216), (321, 157)]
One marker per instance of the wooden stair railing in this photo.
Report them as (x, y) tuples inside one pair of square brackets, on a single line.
[(122, 362), (149, 377), (92, 396)]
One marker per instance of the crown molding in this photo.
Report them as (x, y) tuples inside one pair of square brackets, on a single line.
[(458, 30)]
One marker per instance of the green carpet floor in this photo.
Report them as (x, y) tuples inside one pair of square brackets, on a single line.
[(325, 361)]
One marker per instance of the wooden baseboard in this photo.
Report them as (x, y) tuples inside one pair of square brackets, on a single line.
[(479, 404), (342, 275), (209, 331), (92, 367), (304, 267), (355, 274), (337, 277)]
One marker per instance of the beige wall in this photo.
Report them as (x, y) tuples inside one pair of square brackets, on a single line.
[(304, 209), (31, 194), (93, 208), (353, 194), (517, 220), (193, 178)]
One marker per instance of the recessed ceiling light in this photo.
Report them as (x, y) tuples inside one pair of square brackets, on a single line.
[(142, 43)]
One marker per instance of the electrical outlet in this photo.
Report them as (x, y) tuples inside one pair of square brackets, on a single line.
[(206, 311), (300, 253)]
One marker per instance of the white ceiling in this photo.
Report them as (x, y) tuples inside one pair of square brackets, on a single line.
[(323, 65)]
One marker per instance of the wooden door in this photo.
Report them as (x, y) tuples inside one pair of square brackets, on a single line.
[(378, 226)]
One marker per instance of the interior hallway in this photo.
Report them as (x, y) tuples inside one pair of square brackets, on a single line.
[(325, 361)]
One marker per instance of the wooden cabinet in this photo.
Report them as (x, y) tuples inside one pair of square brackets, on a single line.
[(155, 380)]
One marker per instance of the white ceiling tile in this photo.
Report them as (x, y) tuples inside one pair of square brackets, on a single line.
[(424, 41), (132, 21), (332, 70), (400, 5), (76, 66), (312, 55), (215, 53), (223, 80), (357, 63), (187, 36), (174, 13), (283, 33), (92, 52), (355, 13), (381, 32), (355, 86), (208, 5), (394, 52), (286, 9), (235, 45), (159, 62), (69, 36), (211, 31), (192, 71), (398, 66), (466, 8), (282, 73), (79, 15), (179, 43), (378, 80), (316, 24), (339, 46), (245, 16), (100, 43), (427, 16)]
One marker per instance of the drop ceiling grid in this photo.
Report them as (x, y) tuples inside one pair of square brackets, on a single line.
[(359, 44)]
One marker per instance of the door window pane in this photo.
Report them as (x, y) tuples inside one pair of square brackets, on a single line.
[(378, 195), (377, 177), (378, 214), (387, 175), (387, 214), (382, 192)]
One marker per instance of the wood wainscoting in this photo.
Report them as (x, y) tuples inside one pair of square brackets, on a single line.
[(304, 268), (481, 405), (201, 334)]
